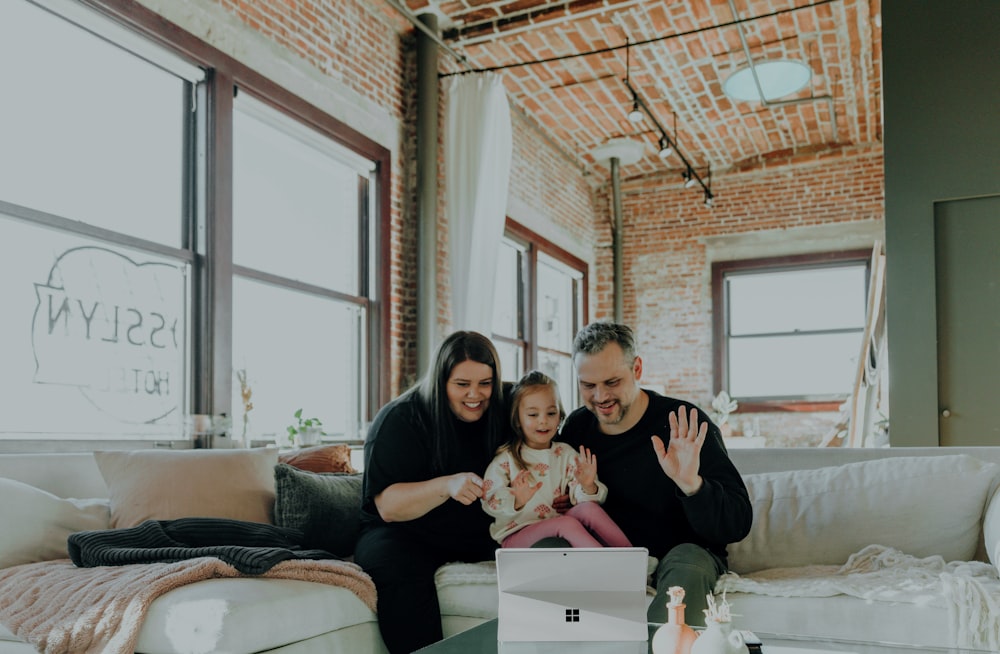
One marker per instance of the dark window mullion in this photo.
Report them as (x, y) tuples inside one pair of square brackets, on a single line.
[(216, 313)]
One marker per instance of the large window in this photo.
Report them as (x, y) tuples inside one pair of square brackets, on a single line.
[(300, 204), (789, 329), (539, 306), (161, 241)]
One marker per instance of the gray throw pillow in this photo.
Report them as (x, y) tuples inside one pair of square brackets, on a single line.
[(324, 506)]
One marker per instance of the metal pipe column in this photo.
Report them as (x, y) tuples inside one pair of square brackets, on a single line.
[(619, 266), (427, 191)]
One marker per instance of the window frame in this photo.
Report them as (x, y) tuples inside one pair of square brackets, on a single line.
[(374, 260), (720, 319), (530, 246), (206, 223)]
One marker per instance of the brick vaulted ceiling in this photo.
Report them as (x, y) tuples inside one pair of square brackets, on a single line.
[(680, 53)]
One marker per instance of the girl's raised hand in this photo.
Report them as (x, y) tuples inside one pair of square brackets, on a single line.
[(523, 488), (586, 470)]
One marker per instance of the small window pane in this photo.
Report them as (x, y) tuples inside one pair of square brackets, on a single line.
[(315, 365), (95, 338), (793, 366), (560, 368), (505, 297), (106, 127), (797, 300), (295, 201), (511, 357), (556, 322)]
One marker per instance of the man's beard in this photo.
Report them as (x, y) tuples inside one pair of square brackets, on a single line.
[(615, 418)]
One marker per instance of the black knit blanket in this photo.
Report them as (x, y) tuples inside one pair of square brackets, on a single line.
[(250, 547)]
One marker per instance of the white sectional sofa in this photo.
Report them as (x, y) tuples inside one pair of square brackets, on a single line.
[(813, 507)]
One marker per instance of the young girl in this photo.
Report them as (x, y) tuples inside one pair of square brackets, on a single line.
[(530, 471)]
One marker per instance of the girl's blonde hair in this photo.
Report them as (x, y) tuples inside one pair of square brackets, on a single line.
[(530, 382)]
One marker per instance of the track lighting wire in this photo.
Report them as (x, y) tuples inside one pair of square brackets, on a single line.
[(690, 175), (626, 45)]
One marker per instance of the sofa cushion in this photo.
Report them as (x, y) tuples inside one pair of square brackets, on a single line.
[(919, 505), (164, 485), (324, 506), (36, 523), (320, 458), (467, 590), (845, 617), (247, 615)]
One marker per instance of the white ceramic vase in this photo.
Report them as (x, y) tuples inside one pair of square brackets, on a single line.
[(309, 436), (719, 638), (674, 637)]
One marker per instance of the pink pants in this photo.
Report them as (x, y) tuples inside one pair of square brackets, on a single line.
[(584, 525)]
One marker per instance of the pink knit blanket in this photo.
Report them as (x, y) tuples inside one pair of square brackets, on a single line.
[(60, 608)]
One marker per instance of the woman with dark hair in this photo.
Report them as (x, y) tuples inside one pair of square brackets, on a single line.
[(425, 455)]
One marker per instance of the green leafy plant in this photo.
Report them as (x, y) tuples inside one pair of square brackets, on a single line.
[(301, 426)]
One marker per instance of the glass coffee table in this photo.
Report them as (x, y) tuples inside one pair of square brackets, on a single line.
[(482, 639)]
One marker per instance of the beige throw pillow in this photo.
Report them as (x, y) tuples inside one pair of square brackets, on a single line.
[(165, 485), (36, 523)]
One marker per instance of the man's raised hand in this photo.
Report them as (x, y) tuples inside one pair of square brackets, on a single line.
[(681, 459)]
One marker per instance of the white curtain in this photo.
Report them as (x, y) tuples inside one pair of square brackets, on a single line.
[(477, 173)]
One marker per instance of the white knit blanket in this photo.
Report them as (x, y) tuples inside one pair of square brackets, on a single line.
[(465, 574), (969, 590), (485, 572)]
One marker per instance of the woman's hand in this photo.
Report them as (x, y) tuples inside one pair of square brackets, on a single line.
[(522, 488), (586, 471), (405, 501), (465, 487)]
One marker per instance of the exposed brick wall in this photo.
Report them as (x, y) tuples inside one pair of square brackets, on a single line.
[(667, 288), (549, 182)]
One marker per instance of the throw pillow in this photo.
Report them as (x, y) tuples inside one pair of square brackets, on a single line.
[(169, 484), (324, 506), (320, 458), (36, 523), (919, 505)]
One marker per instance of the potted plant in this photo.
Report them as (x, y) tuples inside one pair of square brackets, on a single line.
[(723, 405), (305, 431)]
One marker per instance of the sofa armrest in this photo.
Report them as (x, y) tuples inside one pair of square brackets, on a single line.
[(991, 527)]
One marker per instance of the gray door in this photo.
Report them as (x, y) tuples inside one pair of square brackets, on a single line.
[(967, 260)]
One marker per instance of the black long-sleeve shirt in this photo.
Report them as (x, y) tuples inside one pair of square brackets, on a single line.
[(648, 505), (399, 449)]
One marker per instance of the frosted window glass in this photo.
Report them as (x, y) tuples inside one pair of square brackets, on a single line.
[(506, 294), (295, 202), (299, 351), (95, 338), (95, 137), (794, 366)]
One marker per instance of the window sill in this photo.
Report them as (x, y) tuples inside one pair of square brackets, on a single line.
[(790, 406)]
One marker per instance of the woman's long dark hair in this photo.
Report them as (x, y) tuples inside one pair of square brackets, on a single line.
[(432, 390)]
